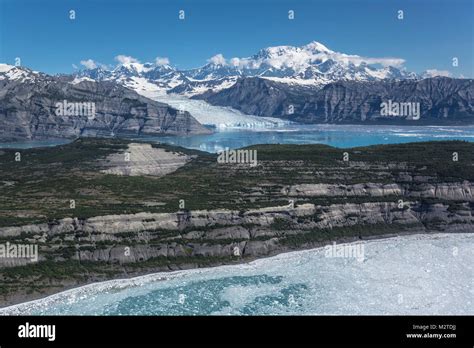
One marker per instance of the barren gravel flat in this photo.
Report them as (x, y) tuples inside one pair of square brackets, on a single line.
[(143, 159)]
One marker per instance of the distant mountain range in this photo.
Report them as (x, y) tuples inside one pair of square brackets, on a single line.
[(312, 65), (317, 84), (308, 84)]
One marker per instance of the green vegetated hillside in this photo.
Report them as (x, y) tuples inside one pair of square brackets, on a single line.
[(298, 196)]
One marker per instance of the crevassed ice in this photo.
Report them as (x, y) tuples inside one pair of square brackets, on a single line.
[(221, 117), (205, 113)]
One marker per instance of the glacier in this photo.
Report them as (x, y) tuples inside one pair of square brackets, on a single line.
[(217, 116), (424, 274), (206, 114)]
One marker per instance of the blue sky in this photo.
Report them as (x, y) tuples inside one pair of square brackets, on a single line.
[(42, 35)]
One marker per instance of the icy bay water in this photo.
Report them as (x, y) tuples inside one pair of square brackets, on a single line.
[(27, 144), (417, 274), (335, 135)]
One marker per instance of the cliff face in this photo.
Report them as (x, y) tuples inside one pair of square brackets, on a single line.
[(441, 100), (446, 191), (28, 110), (217, 233)]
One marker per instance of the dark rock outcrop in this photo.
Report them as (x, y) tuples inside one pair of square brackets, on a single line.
[(442, 100), (28, 104)]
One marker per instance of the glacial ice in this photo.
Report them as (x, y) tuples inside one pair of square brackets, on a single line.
[(205, 113), (218, 116)]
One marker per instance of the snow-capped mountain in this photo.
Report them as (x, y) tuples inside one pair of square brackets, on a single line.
[(197, 87), (212, 71), (140, 77), (97, 73), (17, 73), (312, 65)]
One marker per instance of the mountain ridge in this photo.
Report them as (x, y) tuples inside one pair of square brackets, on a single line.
[(29, 108), (312, 64), (441, 100)]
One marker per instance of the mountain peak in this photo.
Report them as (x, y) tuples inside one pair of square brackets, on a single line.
[(12, 72), (133, 67), (317, 46), (5, 67), (312, 64)]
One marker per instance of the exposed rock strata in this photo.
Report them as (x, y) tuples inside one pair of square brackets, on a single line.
[(254, 232), (28, 110), (441, 99)]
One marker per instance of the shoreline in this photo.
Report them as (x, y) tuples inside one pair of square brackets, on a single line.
[(173, 273)]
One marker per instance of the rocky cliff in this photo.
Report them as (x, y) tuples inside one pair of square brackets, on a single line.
[(441, 100), (216, 233), (29, 109)]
